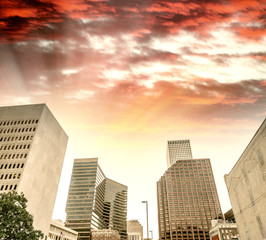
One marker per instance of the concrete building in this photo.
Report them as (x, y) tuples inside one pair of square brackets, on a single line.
[(105, 234), (178, 150), (134, 230), (58, 231), (224, 228), (94, 201), (187, 200), (32, 150), (246, 185)]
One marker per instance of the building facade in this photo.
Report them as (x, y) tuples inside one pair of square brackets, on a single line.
[(178, 150), (134, 230), (94, 201), (246, 185), (105, 234), (223, 230), (32, 150), (187, 200), (58, 231)]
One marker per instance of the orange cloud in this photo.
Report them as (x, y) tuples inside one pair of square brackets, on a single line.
[(251, 33)]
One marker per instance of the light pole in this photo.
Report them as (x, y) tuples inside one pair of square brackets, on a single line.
[(151, 234), (147, 217)]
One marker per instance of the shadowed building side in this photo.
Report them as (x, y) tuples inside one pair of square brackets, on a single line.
[(116, 207)]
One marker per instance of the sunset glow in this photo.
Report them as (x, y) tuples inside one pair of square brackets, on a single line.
[(123, 77)]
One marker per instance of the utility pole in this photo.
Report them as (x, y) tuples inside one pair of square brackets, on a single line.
[(147, 217)]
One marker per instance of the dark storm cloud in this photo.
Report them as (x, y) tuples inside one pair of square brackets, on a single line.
[(20, 19)]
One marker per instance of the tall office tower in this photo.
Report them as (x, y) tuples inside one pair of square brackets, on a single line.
[(134, 230), (187, 200), (32, 150), (178, 150), (94, 201), (246, 185)]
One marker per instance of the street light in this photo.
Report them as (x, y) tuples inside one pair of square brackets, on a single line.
[(151, 234), (147, 217)]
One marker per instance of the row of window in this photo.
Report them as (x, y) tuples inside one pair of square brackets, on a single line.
[(15, 122), (8, 147), (57, 237), (14, 130), (8, 187), (10, 176), (13, 156), (16, 138), (10, 165)]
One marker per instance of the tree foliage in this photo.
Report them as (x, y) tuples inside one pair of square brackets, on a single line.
[(15, 221)]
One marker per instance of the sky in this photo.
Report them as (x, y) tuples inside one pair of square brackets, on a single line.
[(123, 77)]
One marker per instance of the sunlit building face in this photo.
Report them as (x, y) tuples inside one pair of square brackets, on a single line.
[(32, 150), (187, 200)]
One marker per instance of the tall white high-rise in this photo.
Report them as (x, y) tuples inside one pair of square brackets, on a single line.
[(32, 150), (178, 150)]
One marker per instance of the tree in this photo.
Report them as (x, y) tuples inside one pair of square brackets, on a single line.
[(16, 223)]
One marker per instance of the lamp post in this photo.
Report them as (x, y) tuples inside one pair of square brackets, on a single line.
[(151, 234), (147, 217)]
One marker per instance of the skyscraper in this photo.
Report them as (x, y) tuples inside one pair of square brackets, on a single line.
[(94, 201), (246, 185), (178, 150), (187, 200), (134, 230), (32, 150)]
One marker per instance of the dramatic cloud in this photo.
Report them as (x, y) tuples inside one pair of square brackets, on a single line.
[(125, 75)]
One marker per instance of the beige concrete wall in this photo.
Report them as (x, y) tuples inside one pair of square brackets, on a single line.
[(42, 171), (57, 229), (246, 184), (45, 155)]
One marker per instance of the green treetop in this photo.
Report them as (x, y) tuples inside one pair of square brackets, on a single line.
[(15, 221)]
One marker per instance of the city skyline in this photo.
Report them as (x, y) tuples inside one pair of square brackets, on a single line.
[(59, 210), (124, 77)]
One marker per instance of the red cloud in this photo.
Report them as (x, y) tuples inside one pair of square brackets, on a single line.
[(252, 33), (21, 18)]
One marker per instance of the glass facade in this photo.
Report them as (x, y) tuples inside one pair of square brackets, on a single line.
[(187, 200), (178, 150), (94, 201), (115, 207)]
